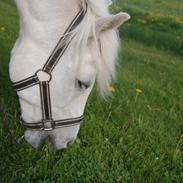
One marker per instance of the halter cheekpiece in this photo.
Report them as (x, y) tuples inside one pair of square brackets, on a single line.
[(47, 122)]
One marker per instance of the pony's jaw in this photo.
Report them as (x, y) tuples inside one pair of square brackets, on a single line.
[(60, 138)]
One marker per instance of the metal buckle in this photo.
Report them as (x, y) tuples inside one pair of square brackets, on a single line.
[(48, 125), (43, 76)]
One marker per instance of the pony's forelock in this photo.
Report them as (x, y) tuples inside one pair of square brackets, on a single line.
[(106, 44)]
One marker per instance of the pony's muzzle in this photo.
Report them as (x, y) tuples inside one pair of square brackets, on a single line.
[(60, 138), (35, 138)]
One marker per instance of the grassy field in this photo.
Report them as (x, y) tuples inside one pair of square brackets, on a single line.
[(137, 136)]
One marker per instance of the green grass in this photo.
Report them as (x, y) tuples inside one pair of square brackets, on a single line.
[(132, 137), (155, 23)]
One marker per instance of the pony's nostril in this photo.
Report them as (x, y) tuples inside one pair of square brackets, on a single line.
[(35, 138), (83, 84)]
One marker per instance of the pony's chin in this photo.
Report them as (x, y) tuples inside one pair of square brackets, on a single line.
[(60, 138)]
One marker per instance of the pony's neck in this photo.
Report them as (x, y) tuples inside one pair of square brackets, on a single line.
[(42, 20)]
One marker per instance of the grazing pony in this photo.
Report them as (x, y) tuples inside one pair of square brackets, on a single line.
[(52, 101)]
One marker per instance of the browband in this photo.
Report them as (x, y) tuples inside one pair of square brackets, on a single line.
[(47, 123)]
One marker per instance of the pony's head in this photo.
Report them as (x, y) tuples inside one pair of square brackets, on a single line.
[(91, 56)]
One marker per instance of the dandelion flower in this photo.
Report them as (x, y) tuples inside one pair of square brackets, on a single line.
[(2, 29), (112, 89), (138, 91)]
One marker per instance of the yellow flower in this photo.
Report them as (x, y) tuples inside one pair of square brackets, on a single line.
[(112, 89), (179, 20), (2, 29), (138, 91)]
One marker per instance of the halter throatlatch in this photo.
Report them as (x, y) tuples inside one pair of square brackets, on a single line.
[(47, 122)]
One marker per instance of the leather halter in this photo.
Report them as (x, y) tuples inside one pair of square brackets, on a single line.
[(47, 122)]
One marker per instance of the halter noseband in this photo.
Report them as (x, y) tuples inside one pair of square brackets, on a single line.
[(47, 122)]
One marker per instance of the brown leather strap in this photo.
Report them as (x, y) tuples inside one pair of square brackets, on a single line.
[(26, 83), (62, 44), (45, 100)]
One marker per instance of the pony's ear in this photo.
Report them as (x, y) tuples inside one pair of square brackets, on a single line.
[(111, 22)]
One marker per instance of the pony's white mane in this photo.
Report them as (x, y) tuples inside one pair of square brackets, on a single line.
[(106, 43)]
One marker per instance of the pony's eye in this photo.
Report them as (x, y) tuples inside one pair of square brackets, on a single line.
[(82, 84)]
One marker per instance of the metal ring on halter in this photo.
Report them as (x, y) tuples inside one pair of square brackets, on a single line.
[(48, 125), (39, 72)]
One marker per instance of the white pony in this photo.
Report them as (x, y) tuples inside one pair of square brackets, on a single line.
[(90, 56)]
